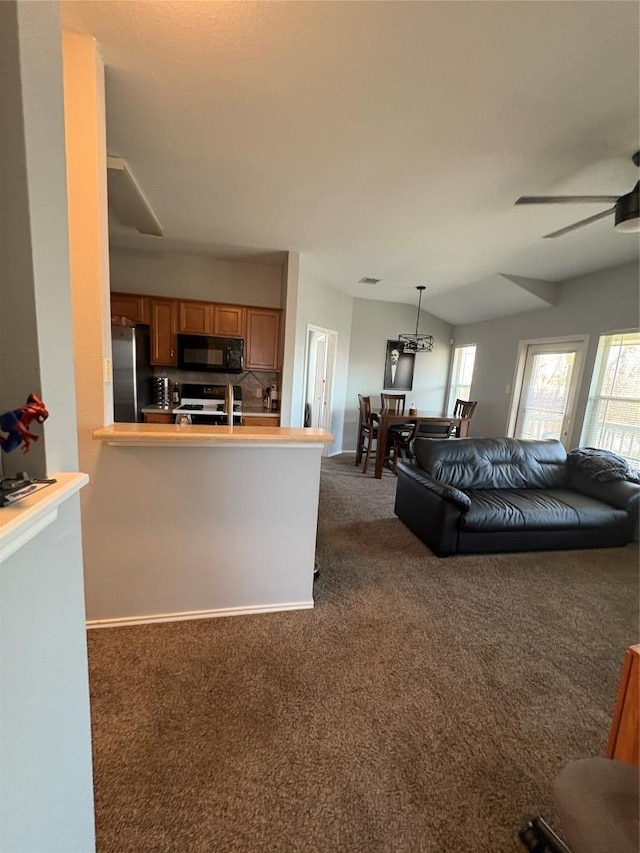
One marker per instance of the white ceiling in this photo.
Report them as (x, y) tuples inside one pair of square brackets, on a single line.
[(383, 139)]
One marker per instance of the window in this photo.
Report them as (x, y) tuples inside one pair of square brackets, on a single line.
[(461, 374), (612, 420)]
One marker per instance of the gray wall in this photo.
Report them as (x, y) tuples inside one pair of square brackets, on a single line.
[(591, 305), (195, 277), (373, 324), (46, 798), (318, 304)]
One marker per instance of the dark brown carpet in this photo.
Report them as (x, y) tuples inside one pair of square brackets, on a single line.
[(423, 705)]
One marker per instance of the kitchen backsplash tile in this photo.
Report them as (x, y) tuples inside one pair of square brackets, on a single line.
[(250, 383)]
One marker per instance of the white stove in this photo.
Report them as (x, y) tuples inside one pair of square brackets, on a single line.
[(208, 404)]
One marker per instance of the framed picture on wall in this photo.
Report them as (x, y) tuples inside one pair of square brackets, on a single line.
[(398, 368)]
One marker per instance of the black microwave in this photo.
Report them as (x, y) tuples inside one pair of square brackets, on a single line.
[(216, 355)]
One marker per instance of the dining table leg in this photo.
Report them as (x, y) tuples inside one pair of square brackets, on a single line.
[(383, 432)]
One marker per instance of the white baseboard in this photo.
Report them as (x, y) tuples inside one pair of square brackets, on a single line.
[(200, 614)]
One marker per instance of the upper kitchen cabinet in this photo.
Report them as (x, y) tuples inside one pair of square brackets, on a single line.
[(164, 322), (229, 321), (263, 339), (196, 318), (131, 306)]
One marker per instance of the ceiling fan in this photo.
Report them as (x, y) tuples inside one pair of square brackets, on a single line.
[(626, 207)]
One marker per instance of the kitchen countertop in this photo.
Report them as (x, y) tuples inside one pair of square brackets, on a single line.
[(195, 435), (154, 408)]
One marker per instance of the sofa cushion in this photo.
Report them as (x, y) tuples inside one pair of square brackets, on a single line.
[(493, 463), (537, 509)]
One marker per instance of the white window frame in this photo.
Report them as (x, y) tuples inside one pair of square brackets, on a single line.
[(591, 435), (454, 374)]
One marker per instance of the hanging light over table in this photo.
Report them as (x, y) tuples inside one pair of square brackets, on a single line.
[(417, 342)]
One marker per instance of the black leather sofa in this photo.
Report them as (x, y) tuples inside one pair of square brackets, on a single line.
[(479, 495)]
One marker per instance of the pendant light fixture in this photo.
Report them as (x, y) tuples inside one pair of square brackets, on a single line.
[(417, 342)]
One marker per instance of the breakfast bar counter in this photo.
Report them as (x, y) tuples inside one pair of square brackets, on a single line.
[(199, 521), (202, 436)]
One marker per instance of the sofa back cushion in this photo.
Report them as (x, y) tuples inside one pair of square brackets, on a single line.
[(493, 463)]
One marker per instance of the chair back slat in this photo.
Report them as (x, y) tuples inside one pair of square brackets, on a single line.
[(365, 408), (393, 403), (464, 408), (434, 428)]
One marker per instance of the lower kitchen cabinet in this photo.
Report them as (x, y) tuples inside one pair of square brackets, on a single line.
[(164, 323), (158, 418), (260, 420), (263, 339)]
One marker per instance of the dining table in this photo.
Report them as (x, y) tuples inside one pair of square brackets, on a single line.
[(385, 420)]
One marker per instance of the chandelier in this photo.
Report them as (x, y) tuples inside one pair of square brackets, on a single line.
[(417, 342)]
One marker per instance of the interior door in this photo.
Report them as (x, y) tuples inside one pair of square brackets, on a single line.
[(548, 395), (319, 383), (318, 386)]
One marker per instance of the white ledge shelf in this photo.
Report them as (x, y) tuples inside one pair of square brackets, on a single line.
[(192, 435), (24, 519)]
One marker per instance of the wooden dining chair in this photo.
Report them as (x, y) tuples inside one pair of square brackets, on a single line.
[(399, 433), (464, 409), (393, 403), (368, 435), (367, 428), (433, 428)]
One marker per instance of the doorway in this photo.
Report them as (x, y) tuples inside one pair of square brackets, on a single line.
[(318, 385), (549, 374)]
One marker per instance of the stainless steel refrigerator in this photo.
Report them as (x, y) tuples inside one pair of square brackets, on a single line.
[(132, 372)]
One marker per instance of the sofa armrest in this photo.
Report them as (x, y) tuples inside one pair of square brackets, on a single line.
[(619, 493), (442, 490)]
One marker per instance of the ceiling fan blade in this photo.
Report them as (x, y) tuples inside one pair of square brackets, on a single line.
[(582, 222), (567, 199)]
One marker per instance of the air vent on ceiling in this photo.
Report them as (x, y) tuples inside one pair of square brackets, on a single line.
[(367, 280)]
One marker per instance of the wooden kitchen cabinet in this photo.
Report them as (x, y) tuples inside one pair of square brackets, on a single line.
[(164, 315), (196, 318), (260, 420), (158, 418), (228, 321), (131, 306), (263, 339)]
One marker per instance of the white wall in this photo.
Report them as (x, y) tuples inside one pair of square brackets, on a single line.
[(195, 277), (46, 794), (590, 305), (374, 323), (317, 304), (201, 530), (46, 789)]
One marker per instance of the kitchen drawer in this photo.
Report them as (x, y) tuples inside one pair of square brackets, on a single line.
[(158, 418), (260, 420)]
